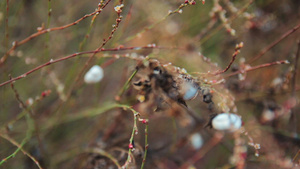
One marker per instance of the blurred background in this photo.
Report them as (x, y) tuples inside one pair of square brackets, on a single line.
[(63, 120)]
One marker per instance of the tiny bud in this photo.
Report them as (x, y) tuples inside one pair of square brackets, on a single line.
[(39, 29), (14, 43), (29, 102), (232, 32), (194, 3), (44, 94), (203, 2), (130, 146), (117, 98), (186, 1), (241, 44), (145, 121)]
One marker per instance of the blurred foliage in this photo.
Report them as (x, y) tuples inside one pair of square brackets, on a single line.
[(58, 141)]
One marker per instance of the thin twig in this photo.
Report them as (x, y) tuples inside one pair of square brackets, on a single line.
[(258, 67), (81, 45), (296, 155), (131, 140), (47, 43), (118, 21), (20, 146), (31, 115), (217, 29), (146, 145), (295, 71), (77, 54), (6, 25), (293, 117), (41, 32), (266, 49), (125, 87), (134, 132), (236, 52), (156, 23)]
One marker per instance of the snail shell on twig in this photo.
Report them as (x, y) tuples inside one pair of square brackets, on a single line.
[(94, 75), (227, 122)]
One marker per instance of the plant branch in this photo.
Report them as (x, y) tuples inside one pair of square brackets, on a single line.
[(43, 31), (266, 49), (258, 67), (52, 61), (236, 52)]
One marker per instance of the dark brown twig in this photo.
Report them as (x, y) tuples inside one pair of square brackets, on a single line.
[(43, 31), (236, 52), (295, 70), (258, 67), (266, 49), (30, 112), (77, 54), (293, 117)]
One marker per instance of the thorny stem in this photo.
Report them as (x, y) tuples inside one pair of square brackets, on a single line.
[(266, 49), (77, 54), (40, 32), (258, 67)]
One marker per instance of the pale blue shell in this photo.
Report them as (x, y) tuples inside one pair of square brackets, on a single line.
[(190, 93)]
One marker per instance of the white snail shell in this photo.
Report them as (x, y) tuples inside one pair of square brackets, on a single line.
[(227, 122), (196, 141), (94, 75)]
